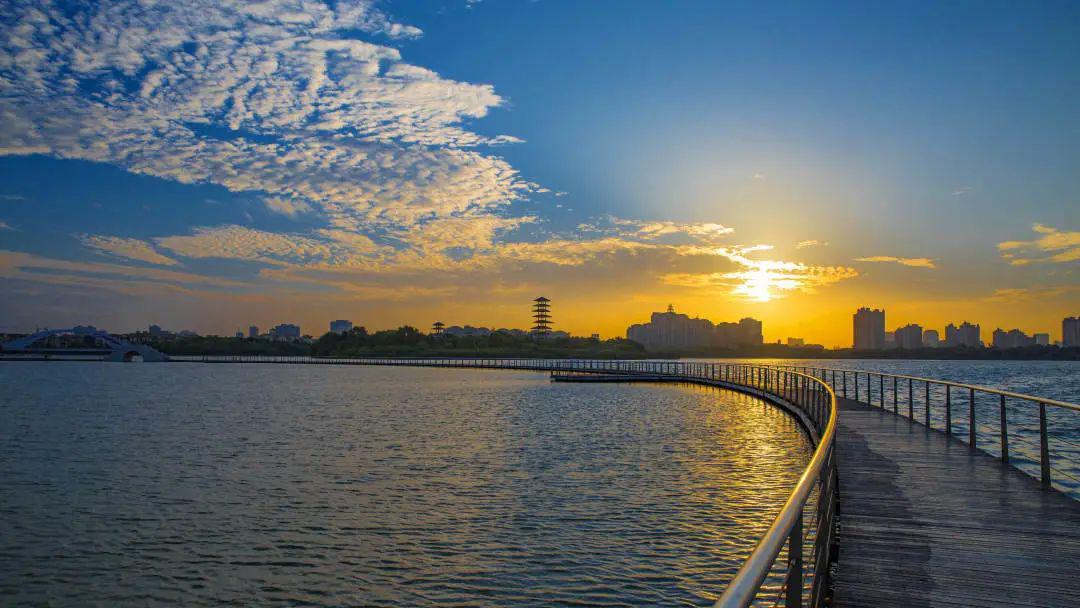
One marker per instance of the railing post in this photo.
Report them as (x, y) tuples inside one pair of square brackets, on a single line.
[(795, 564), (926, 396), (881, 390), (948, 410), (1044, 446), (844, 375), (894, 396), (1004, 432), (971, 418), (911, 399), (856, 386)]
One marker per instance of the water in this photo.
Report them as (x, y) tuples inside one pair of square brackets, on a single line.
[(192, 484)]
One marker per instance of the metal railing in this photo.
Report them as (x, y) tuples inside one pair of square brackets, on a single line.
[(791, 564), (961, 410)]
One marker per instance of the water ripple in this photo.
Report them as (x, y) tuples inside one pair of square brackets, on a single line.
[(279, 485)]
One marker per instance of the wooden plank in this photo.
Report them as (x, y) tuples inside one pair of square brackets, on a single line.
[(926, 521)]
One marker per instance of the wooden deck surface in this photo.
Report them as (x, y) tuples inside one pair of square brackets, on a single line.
[(925, 521)]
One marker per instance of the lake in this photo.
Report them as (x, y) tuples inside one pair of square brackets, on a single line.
[(201, 485)]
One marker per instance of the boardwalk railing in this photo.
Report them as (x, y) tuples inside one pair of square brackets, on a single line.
[(792, 563), (963, 410)]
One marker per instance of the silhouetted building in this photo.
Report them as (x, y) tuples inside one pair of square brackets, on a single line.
[(253, 331), (747, 332), (869, 329), (909, 337), (438, 329), (341, 326), (285, 331), (467, 331), (155, 331), (239, 334), (1041, 339), (672, 330), (796, 342), (1070, 331), (966, 335), (1014, 338), (931, 338)]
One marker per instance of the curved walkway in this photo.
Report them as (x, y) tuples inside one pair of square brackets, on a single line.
[(926, 521)]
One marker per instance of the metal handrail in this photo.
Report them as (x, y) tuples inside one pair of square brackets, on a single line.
[(977, 387), (1045, 467), (742, 590)]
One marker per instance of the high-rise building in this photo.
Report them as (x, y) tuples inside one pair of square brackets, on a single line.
[(285, 331), (253, 331), (1041, 339), (931, 338), (541, 318), (1070, 331), (966, 335), (869, 329), (1014, 338), (909, 337), (239, 334), (341, 326), (672, 330), (796, 342)]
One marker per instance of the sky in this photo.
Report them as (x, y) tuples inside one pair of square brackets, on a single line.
[(212, 165)]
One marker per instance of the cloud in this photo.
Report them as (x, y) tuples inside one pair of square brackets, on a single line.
[(810, 243), (1052, 246), (278, 97), (25, 266), (12, 197), (132, 249), (5, 226), (962, 191), (286, 206), (762, 280), (233, 242), (913, 262)]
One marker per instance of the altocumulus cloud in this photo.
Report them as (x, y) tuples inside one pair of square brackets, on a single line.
[(280, 97), (306, 105)]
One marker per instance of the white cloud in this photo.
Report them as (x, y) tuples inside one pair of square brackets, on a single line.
[(5, 226), (286, 206), (132, 249), (810, 243), (278, 97), (913, 262), (1052, 246)]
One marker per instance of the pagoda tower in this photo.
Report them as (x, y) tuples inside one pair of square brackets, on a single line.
[(541, 318)]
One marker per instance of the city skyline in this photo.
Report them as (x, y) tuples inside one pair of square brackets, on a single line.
[(376, 161)]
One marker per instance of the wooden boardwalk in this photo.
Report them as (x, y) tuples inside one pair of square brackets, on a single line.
[(926, 521)]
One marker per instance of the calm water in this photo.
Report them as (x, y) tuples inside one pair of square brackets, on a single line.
[(271, 485)]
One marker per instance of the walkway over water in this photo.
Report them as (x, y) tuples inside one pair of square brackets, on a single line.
[(927, 521)]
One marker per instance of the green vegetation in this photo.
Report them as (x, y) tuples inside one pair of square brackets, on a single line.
[(215, 345), (408, 341)]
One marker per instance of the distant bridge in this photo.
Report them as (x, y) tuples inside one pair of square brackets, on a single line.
[(112, 348), (919, 492)]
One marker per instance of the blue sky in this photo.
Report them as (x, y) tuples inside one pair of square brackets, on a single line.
[(400, 161)]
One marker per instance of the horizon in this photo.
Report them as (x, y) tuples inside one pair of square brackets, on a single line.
[(394, 165)]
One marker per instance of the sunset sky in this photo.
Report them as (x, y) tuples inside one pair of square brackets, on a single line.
[(210, 165)]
